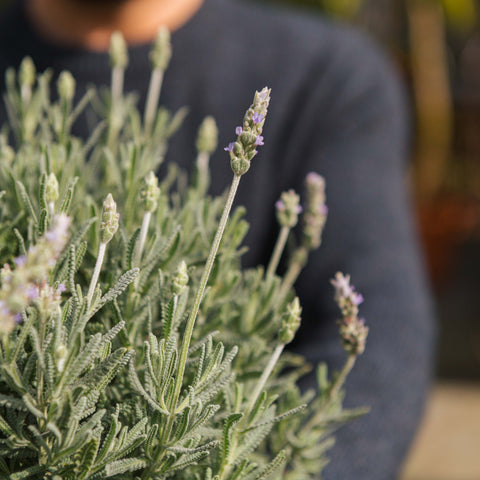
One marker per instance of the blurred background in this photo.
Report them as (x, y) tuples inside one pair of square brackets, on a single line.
[(435, 45)]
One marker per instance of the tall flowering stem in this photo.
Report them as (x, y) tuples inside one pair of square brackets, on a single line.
[(290, 324), (287, 209), (313, 223), (240, 162), (207, 140), (159, 57), (353, 335), (149, 195), (118, 60), (108, 228), (27, 79)]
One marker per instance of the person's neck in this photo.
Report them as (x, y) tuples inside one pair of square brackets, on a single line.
[(90, 23)]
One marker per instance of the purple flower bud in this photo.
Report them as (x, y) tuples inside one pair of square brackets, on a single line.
[(238, 131), (299, 209), (32, 292), (61, 288), (230, 146), (20, 261), (280, 206), (323, 209), (257, 118), (259, 140), (18, 318)]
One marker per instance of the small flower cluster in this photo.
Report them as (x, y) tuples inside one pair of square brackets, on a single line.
[(288, 208), (249, 135), (27, 282), (316, 211), (353, 331)]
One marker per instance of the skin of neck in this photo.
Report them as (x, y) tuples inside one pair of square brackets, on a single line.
[(89, 23)]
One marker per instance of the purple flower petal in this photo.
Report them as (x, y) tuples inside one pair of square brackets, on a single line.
[(230, 146), (32, 293), (259, 140), (357, 298), (257, 118), (20, 261), (61, 288), (238, 131)]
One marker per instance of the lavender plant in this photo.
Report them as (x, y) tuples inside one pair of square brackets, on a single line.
[(132, 344)]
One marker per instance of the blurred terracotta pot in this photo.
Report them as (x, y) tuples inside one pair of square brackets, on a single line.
[(445, 223)]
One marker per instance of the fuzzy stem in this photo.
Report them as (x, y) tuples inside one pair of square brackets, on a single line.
[(263, 379), (96, 272), (153, 95), (277, 251), (203, 159), (293, 272), (117, 83), (143, 237), (342, 376), (51, 209), (203, 284), (26, 93)]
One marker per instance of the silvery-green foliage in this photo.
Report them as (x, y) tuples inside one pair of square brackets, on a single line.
[(94, 388)]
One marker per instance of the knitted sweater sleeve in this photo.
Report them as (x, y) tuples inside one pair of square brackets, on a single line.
[(354, 132)]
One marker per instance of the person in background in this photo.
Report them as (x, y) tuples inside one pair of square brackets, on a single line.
[(337, 109)]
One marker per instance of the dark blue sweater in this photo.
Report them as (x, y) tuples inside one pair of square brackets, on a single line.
[(336, 109)]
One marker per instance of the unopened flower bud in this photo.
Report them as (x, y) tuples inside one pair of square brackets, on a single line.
[(150, 193), (118, 51), (207, 138), (110, 218), (180, 278), (161, 50), (288, 208), (66, 86), (27, 72), (290, 322), (51, 188)]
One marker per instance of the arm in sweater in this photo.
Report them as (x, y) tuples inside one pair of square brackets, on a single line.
[(361, 151)]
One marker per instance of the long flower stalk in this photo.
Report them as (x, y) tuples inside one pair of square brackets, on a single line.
[(277, 251)]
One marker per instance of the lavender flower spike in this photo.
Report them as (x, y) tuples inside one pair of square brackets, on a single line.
[(249, 134)]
